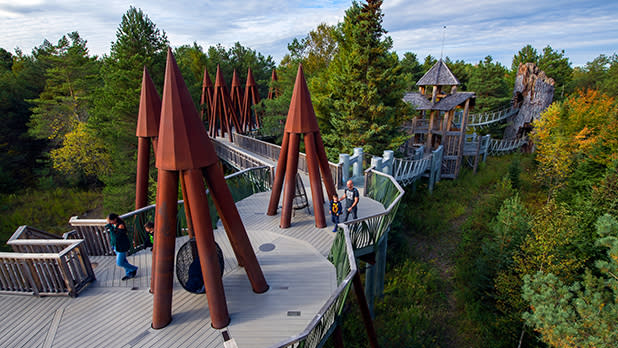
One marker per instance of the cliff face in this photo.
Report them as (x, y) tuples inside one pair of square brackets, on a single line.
[(533, 93)]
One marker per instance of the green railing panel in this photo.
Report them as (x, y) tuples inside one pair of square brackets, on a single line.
[(242, 184), (366, 232)]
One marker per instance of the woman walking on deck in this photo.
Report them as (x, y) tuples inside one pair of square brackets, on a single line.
[(121, 244)]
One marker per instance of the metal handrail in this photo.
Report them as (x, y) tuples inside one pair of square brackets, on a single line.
[(331, 302), (102, 244), (272, 153), (344, 286)]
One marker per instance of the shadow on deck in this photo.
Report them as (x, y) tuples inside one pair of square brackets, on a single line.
[(115, 313)]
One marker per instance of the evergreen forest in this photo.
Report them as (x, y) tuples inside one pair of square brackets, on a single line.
[(524, 253)]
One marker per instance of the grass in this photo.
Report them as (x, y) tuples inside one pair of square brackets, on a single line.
[(47, 210), (427, 300)]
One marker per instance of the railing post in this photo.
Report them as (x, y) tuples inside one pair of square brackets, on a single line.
[(344, 160), (486, 141), (381, 263), (435, 167), (420, 152), (370, 277), (367, 185), (387, 162), (357, 168), (376, 163)]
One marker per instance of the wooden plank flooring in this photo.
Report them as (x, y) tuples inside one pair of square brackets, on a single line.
[(115, 313)]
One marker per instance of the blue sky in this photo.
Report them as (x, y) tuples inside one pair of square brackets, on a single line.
[(475, 29)]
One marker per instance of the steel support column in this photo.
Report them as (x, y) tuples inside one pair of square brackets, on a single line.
[(226, 207), (164, 244), (314, 180), (290, 180), (205, 241), (275, 194)]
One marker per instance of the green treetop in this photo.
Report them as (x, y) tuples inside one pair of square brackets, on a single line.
[(64, 107), (488, 80), (138, 43), (361, 102), (582, 314)]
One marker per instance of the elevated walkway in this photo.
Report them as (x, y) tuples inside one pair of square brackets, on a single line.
[(304, 266)]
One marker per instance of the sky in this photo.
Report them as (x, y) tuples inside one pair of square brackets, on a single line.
[(474, 28)]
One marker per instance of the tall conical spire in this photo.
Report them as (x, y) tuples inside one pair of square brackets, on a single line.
[(251, 98), (185, 152), (301, 117), (206, 99), (222, 109), (301, 122), (149, 114), (183, 142), (147, 131), (237, 98), (273, 92)]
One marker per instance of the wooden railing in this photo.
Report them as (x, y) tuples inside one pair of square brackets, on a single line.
[(504, 146), (27, 232), (237, 158), (241, 184), (92, 231), (44, 267), (271, 152)]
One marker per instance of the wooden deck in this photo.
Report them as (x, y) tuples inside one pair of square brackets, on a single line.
[(115, 313)]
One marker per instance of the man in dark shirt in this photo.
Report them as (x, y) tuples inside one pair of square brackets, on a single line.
[(351, 196)]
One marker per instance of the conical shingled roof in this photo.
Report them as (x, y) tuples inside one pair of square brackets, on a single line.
[(149, 114), (438, 75), (301, 117), (183, 142)]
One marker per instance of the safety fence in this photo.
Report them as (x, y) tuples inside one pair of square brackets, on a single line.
[(44, 267), (242, 184)]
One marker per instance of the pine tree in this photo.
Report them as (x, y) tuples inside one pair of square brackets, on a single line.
[(527, 54), (21, 79), (138, 43), (582, 314), (361, 101), (65, 105), (488, 80)]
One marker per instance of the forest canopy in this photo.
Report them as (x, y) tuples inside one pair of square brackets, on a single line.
[(536, 257)]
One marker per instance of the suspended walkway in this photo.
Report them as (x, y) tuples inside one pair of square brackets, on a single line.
[(485, 119), (488, 118), (499, 147)]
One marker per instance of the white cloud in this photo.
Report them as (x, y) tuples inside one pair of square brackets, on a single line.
[(475, 29)]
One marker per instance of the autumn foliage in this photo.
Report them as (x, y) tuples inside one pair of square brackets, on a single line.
[(583, 128)]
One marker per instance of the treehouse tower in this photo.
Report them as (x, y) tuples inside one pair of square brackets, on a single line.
[(442, 116)]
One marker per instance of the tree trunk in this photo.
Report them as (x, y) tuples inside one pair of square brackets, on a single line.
[(532, 94)]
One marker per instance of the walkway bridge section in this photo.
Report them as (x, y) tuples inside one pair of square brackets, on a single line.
[(485, 119), (245, 152), (309, 271)]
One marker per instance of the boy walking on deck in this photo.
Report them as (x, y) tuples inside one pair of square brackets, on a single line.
[(335, 211)]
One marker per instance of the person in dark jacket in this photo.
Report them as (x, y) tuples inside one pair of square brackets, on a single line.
[(121, 244), (335, 210)]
